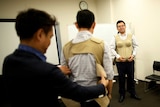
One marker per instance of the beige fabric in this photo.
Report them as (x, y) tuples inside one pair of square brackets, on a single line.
[(94, 46), (100, 70), (124, 47), (70, 103), (103, 102)]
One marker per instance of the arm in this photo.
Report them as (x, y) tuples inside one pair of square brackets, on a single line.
[(135, 46), (63, 60), (113, 47), (108, 66), (63, 65), (108, 62), (64, 69), (66, 88), (109, 88)]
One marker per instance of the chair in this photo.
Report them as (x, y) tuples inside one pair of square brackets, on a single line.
[(153, 79)]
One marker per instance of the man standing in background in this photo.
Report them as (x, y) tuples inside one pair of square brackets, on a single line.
[(85, 54), (124, 48)]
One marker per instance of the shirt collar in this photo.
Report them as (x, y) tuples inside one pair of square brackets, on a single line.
[(121, 34), (124, 36), (32, 50), (82, 36)]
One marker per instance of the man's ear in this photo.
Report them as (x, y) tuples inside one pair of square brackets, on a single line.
[(76, 24), (93, 25), (39, 34)]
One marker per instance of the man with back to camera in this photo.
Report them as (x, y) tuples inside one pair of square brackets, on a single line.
[(124, 48), (85, 52), (30, 80)]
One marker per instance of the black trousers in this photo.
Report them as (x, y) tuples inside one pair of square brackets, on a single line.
[(126, 68)]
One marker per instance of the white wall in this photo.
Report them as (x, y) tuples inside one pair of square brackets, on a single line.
[(103, 11), (142, 15), (64, 10), (9, 42)]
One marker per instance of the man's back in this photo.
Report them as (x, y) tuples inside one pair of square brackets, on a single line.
[(82, 58), (29, 81), (83, 69), (83, 61)]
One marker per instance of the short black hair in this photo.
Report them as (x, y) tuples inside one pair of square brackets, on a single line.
[(120, 21), (85, 18), (29, 21)]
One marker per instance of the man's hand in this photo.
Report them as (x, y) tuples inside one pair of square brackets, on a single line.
[(64, 69), (104, 81), (130, 58), (110, 96), (121, 59)]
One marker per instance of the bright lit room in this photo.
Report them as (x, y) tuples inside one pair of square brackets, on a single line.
[(142, 20)]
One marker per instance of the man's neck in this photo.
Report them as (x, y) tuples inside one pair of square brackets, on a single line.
[(85, 29), (122, 33), (29, 43)]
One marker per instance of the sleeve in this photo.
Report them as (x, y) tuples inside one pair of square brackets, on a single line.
[(68, 89), (113, 47), (135, 45), (108, 62), (62, 59)]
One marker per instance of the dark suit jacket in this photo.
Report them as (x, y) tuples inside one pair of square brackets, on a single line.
[(30, 82)]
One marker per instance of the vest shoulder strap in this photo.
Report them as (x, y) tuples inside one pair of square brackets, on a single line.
[(96, 40)]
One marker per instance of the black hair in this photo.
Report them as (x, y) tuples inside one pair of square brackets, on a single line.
[(29, 21), (85, 18), (120, 21)]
